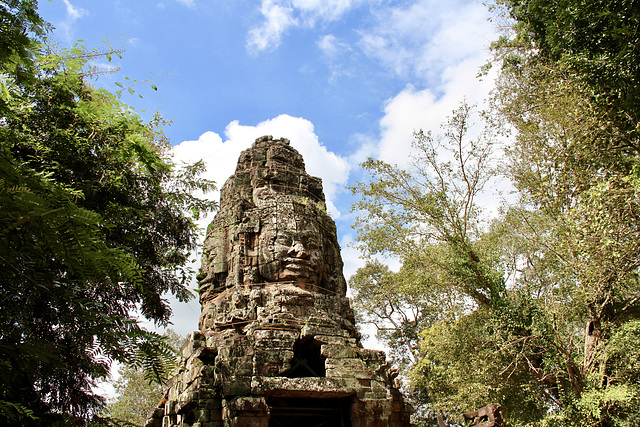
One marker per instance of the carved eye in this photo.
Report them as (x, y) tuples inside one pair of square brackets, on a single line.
[(312, 243), (283, 240)]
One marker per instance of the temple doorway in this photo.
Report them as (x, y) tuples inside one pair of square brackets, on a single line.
[(296, 412)]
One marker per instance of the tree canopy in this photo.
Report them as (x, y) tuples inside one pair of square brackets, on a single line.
[(97, 227), (136, 394), (532, 307)]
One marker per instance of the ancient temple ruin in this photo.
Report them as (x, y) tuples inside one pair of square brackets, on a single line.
[(277, 344)]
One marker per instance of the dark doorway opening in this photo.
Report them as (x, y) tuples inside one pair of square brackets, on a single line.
[(307, 360), (297, 412)]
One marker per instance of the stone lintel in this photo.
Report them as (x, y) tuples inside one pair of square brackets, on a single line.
[(310, 387)]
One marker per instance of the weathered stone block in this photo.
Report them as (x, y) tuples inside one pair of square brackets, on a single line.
[(275, 344), (269, 334), (250, 405), (272, 363), (331, 339), (378, 391), (348, 368), (347, 363), (313, 330), (267, 312), (337, 351), (236, 386)]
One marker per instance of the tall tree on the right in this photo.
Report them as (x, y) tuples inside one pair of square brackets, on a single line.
[(569, 89)]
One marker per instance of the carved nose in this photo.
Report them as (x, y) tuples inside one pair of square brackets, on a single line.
[(298, 250)]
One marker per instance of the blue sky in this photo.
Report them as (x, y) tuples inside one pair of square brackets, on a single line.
[(342, 79)]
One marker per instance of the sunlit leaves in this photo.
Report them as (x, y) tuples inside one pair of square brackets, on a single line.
[(97, 227)]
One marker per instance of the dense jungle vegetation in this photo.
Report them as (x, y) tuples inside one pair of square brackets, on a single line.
[(536, 306), (93, 231)]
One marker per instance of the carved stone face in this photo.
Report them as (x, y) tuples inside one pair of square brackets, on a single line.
[(271, 227), (291, 250)]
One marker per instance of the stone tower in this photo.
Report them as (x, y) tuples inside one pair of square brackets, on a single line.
[(277, 344)]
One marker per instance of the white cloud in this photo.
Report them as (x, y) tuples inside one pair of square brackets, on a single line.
[(332, 47), (440, 46), (73, 14), (219, 156), (278, 19), (421, 40), (188, 3), (282, 15), (412, 109)]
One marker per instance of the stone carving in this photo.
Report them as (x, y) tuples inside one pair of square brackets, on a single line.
[(488, 416), (277, 343), (271, 227)]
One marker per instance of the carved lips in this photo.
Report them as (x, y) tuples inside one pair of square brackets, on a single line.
[(297, 269), (299, 265)]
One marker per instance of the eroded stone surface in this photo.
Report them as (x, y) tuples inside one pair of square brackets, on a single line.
[(272, 227), (276, 330)]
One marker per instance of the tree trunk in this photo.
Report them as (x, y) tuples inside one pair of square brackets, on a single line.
[(592, 336)]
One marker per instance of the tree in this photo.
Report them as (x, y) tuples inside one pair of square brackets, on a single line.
[(501, 312), (20, 24), (541, 301), (429, 219), (136, 394), (94, 230), (568, 87)]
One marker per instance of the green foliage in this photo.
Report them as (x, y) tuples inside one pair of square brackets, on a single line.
[(474, 359), (397, 305), (569, 87), (137, 394), (498, 306), (428, 218), (93, 231), (595, 45), (136, 397), (20, 24), (404, 212), (537, 308)]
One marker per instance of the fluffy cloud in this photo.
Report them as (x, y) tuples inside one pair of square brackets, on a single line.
[(437, 45), (278, 19), (281, 15), (420, 41), (412, 110), (73, 14), (332, 47)]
